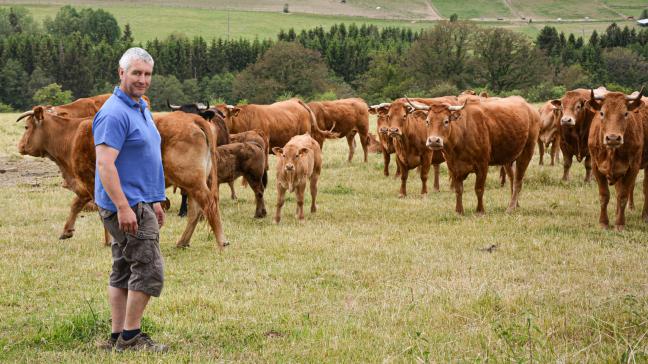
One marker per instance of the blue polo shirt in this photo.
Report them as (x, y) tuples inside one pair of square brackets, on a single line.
[(127, 125)]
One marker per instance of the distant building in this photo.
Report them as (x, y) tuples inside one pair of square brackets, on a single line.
[(643, 22)]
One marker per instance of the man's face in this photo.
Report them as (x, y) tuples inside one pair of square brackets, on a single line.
[(137, 79)]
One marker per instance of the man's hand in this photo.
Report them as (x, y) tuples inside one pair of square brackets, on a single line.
[(159, 213), (127, 220)]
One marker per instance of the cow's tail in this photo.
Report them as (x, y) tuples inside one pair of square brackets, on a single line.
[(211, 209), (315, 130)]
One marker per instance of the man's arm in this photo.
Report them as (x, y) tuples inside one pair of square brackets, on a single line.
[(109, 177)]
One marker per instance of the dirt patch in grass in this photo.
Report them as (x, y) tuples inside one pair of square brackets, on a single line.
[(23, 171)]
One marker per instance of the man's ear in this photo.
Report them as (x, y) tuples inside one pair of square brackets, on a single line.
[(277, 151)]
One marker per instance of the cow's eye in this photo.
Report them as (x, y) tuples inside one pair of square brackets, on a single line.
[(26, 127), (446, 121), (626, 114), (601, 113)]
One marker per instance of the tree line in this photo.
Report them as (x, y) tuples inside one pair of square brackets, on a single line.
[(75, 54)]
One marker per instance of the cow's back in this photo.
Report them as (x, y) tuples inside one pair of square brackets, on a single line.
[(279, 121), (343, 116)]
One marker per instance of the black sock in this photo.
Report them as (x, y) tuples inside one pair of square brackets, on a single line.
[(115, 335), (129, 334)]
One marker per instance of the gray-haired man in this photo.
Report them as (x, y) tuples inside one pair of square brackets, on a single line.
[(129, 185)]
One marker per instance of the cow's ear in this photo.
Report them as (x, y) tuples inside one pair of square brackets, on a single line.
[(372, 111), (454, 115), (594, 105), (39, 113), (303, 151), (208, 114), (277, 151), (383, 110), (235, 111), (635, 105), (557, 103), (420, 114)]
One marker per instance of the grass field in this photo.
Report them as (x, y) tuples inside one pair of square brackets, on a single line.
[(369, 278), (160, 19)]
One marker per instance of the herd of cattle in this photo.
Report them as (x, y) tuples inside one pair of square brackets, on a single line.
[(203, 147)]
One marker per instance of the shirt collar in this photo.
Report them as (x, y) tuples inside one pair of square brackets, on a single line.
[(128, 101)]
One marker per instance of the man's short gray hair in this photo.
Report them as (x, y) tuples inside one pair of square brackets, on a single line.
[(133, 54)]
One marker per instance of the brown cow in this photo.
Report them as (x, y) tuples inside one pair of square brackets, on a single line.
[(299, 161), (347, 117), (407, 131), (279, 121), (574, 129), (549, 131), (618, 144), (188, 155), (382, 127), (477, 134)]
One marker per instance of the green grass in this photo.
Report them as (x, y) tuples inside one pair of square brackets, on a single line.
[(475, 9), (565, 9), (369, 278)]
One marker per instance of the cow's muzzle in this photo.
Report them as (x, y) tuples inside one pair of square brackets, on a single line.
[(613, 140), (383, 130), (394, 132), (568, 121), (434, 143)]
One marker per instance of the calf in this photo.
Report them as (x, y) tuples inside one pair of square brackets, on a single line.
[(618, 144), (549, 131), (382, 128), (477, 134), (300, 160)]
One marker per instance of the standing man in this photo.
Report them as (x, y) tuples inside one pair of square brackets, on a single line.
[(129, 185)]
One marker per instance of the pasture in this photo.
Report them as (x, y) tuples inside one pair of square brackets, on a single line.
[(263, 19), (369, 278)]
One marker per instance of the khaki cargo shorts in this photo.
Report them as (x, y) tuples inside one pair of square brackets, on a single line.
[(137, 261)]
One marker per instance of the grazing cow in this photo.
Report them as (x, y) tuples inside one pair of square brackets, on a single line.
[(574, 129), (188, 157), (299, 161), (618, 144), (382, 127), (347, 117), (549, 131), (374, 144), (477, 134), (279, 121), (408, 134)]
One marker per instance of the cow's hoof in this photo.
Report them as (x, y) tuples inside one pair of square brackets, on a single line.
[(66, 235), (182, 213), (225, 243), (182, 246), (604, 226), (619, 228)]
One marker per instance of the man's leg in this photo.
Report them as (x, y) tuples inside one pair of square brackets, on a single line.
[(134, 309), (117, 298)]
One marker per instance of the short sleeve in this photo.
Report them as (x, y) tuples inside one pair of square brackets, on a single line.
[(109, 130)]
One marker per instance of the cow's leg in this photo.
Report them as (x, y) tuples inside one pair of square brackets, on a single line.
[(299, 194), (404, 174), (257, 186), (77, 205), (208, 202), (281, 198), (480, 182), (567, 163), (386, 159), (644, 213), (183, 204), (398, 169), (541, 150), (631, 204), (232, 190), (424, 171), (588, 168), (503, 174), (458, 188), (507, 169), (193, 216), (604, 197), (364, 142), (623, 188), (352, 145), (554, 153), (436, 177), (313, 191), (521, 165)]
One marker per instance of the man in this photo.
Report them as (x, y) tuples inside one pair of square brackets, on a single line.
[(129, 186)]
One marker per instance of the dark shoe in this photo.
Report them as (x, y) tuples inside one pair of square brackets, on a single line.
[(107, 344), (140, 342)]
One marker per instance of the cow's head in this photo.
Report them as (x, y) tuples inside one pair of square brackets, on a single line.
[(290, 158), (381, 111), (195, 108), (33, 139), (550, 120), (400, 111), (439, 119), (574, 106), (614, 109)]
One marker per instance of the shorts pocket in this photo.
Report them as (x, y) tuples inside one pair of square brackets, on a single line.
[(141, 250)]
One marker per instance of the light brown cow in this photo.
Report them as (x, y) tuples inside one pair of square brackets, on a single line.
[(477, 134), (382, 127), (188, 156), (408, 134), (574, 129), (618, 144), (279, 121), (550, 116), (298, 162), (347, 117)]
